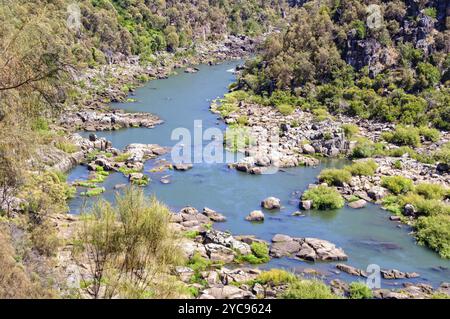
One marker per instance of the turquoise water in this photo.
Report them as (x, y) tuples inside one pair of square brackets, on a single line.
[(366, 235)]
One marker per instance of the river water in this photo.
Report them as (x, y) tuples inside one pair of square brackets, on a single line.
[(366, 235)]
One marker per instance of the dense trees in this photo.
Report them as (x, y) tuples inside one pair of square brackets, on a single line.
[(333, 55)]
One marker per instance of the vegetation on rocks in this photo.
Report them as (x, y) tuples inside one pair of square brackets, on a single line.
[(324, 198)]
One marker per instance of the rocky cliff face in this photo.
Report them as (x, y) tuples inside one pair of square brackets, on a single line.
[(414, 26)]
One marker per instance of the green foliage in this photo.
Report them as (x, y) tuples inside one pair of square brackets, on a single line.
[(359, 290), (259, 255), (397, 184), (308, 289), (276, 277), (403, 136), (365, 148), (432, 191), (134, 236), (429, 134), (425, 207), (431, 12), (324, 198), (434, 231), (191, 234), (350, 130), (336, 177), (198, 263), (121, 157), (286, 109), (362, 168), (93, 192), (67, 147)]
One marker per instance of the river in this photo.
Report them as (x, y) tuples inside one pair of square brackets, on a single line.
[(366, 235)]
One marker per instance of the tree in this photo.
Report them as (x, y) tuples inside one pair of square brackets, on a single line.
[(129, 247)]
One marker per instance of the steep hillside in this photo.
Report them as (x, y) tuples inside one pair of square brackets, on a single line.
[(387, 61)]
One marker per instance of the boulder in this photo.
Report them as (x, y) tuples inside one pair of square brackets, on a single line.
[(308, 149), (361, 203), (226, 292), (409, 210), (271, 203), (182, 166), (377, 192), (255, 216), (185, 273), (351, 270), (218, 252), (306, 204), (283, 245), (213, 215)]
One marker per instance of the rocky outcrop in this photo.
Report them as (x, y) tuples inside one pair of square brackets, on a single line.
[(92, 120), (310, 249)]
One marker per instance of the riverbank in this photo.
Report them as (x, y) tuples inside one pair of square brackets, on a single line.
[(110, 159)]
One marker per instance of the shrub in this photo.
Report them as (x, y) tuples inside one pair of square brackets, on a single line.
[(286, 109), (336, 177), (432, 191), (275, 277), (363, 168), (365, 148), (324, 197), (359, 290), (397, 184), (259, 255), (198, 263), (121, 243), (320, 114), (443, 154), (427, 207), (429, 134), (403, 136), (434, 231), (308, 289), (350, 130)]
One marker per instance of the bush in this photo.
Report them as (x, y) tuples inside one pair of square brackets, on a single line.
[(429, 134), (286, 109), (336, 177), (362, 168), (426, 207), (403, 136), (259, 255), (121, 243), (397, 184), (365, 148), (275, 277), (359, 290), (443, 154), (308, 289), (434, 232), (350, 130), (324, 197), (432, 191), (320, 115)]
